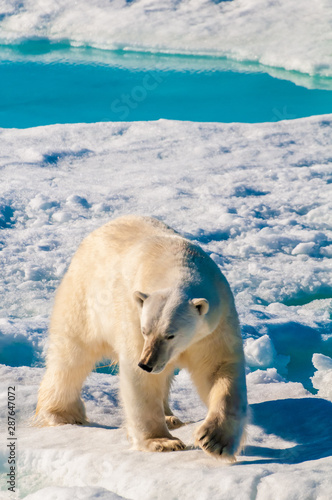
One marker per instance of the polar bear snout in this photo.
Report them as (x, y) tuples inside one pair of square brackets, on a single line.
[(145, 367), (153, 355)]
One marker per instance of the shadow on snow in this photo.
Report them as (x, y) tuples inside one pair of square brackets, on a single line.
[(305, 421)]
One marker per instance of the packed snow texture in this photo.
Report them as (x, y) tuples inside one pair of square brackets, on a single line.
[(257, 198), (279, 33)]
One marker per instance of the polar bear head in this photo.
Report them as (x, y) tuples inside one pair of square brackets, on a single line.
[(170, 320)]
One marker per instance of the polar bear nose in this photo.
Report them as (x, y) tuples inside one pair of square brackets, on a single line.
[(145, 367)]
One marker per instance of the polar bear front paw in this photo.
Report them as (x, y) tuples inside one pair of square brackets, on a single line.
[(215, 439), (173, 422), (164, 444)]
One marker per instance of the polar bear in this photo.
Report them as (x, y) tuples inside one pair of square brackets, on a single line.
[(139, 293)]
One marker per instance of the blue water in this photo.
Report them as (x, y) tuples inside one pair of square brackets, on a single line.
[(40, 92)]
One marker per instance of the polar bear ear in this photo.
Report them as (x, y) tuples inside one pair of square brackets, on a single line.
[(202, 306), (140, 297)]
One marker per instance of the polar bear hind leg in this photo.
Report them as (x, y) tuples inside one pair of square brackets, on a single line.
[(59, 400), (172, 421)]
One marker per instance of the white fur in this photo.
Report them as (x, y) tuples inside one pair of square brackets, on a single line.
[(137, 292)]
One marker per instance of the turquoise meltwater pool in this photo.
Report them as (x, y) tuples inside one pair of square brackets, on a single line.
[(42, 84)]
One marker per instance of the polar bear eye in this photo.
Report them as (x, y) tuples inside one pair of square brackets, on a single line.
[(170, 337)]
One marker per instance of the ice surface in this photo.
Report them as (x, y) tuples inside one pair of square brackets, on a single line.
[(73, 493), (322, 362), (322, 379), (289, 437), (279, 33), (250, 195), (260, 353)]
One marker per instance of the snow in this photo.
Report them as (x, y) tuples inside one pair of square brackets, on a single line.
[(322, 362), (322, 379), (256, 197), (304, 248), (96, 460), (79, 493), (278, 33), (260, 353)]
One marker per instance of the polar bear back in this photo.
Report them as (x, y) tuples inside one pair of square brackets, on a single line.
[(134, 253), (149, 255)]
